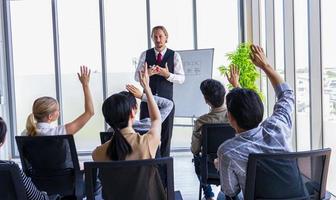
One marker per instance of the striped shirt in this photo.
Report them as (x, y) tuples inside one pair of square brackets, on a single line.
[(31, 191), (272, 136)]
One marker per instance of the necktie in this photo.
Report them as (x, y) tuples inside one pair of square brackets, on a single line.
[(159, 58)]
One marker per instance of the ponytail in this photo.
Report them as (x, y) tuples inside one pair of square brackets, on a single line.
[(42, 107), (116, 110), (31, 125), (118, 148)]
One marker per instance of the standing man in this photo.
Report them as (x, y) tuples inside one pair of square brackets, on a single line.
[(165, 68)]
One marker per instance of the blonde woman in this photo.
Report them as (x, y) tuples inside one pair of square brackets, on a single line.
[(46, 111)]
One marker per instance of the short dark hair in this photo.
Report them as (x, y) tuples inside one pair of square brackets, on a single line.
[(3, 130), (246, 107), (213, 91)]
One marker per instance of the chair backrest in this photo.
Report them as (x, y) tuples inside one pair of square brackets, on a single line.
[(297, 175), (52, 163), (213, 135), (135, 179), (11, 183), (105, 136)]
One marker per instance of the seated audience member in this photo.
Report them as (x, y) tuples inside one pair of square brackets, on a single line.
[(31, 191), (214, 93), (46, 111), (245, 113), (120, 114), (143, 125)]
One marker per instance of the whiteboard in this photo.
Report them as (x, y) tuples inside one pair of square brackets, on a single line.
[(188, 98)]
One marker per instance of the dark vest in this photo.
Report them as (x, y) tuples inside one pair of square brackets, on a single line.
[(159, 85)]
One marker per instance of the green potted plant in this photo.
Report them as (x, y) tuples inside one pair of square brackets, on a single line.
[(248, 74)]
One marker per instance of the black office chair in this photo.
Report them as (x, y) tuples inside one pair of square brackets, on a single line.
[(213, 135), (295, 176), (135, 179), (105, 136), (52, 163)]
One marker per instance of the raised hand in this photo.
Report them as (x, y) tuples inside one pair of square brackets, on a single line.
[(144, 77), (258, 56), (233, 78), (134, 90), (84, 75)]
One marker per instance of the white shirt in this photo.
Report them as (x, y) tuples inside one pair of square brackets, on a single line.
[(177, 77), (46, 129)]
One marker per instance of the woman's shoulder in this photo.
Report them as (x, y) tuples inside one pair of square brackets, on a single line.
[(99, 153)]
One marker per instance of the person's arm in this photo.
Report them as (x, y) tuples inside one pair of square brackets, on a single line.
[(141, 63), (31, 191), (178, 75), (258, 58), (196, 138), (165, 105), (74, 126), (153, 110), (233, 78), (285, 103)]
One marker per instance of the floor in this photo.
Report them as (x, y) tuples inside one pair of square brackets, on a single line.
[(185, 179)]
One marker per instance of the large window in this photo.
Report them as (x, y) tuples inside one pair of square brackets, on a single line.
[(176, 16), (302, 75), (329, 85), (209, 35), (124, 44), (222, 35), (263, 77), (33, 53), (77, 29), (279, 37), (80, 45)]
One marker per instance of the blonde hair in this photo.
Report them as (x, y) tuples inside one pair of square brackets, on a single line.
[(162, 28), (42, 108)]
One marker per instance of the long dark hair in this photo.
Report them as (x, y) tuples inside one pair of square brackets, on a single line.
[(116, 111)]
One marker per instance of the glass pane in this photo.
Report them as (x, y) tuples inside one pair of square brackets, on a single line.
[(218, 35), (279, 37), (329, 85), (176, 16), (33, 52), (302, 75), (263, 77), (124, 44), (80, 45)]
